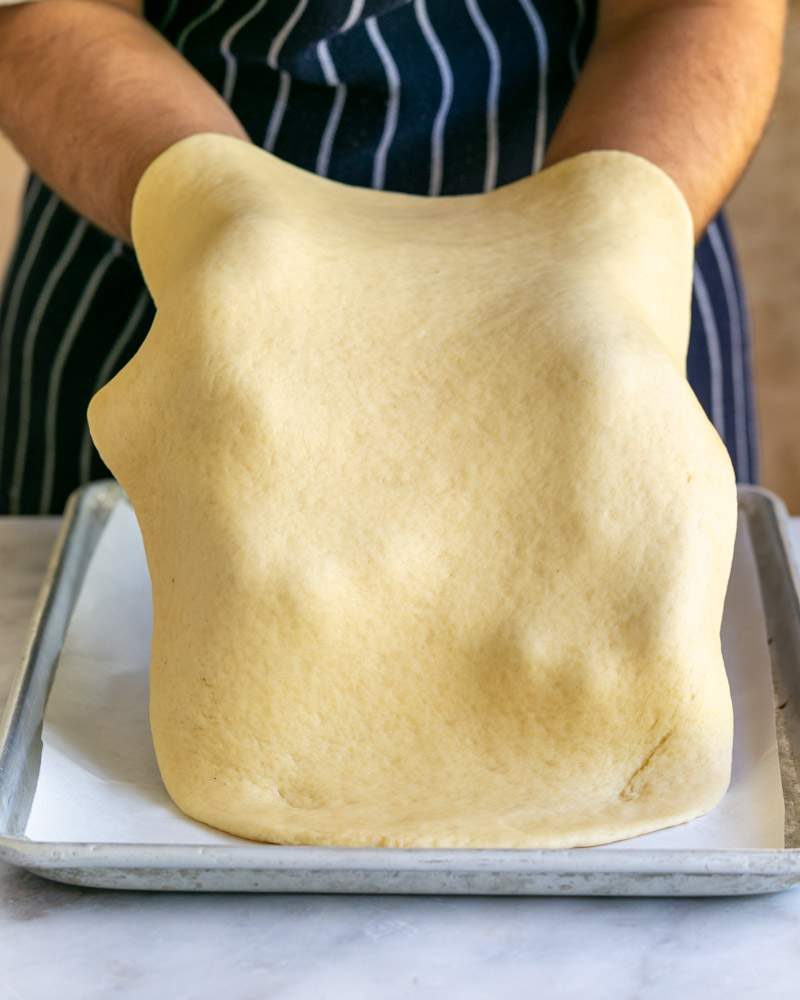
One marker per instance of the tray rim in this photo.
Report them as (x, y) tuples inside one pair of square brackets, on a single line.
[(52, 856)]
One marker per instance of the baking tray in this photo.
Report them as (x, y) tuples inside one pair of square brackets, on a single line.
[(250, 867)]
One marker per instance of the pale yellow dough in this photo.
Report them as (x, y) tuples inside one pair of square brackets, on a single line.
[(438, 533)]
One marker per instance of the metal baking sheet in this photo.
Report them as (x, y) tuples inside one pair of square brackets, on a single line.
[(249, 867)]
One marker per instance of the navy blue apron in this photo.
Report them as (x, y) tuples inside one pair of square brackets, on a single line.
[(430, 97)]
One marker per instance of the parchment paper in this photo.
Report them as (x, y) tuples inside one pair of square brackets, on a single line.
[(99, 781)]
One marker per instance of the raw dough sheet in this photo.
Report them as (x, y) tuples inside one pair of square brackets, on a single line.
[(99, 781)]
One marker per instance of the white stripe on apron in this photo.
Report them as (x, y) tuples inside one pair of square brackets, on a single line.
[(278, 111), (196, 23), (540, 34), (30, 196), (392, 102), (355, 13), (340, 97), (15, 297), (573, 49), (225, 49), (446, 76), (493, 93), (335, 114), (711, 337), (737, 348), (171, 11), (57, 370), (28, 349), (282, 100)]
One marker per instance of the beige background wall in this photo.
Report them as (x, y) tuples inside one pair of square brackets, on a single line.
[(765, 214), (11, 179)]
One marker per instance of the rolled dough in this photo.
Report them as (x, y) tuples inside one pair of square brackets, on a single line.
[(438, 533)]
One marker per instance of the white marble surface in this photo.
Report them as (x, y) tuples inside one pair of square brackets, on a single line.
[(73, 944)]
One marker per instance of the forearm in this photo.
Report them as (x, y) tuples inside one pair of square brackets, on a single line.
[(688, 85), (90, 94)]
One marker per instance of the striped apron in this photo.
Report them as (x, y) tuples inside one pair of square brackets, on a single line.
[(424, 96)]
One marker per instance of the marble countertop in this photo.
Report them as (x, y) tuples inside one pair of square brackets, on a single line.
[(77, 944)]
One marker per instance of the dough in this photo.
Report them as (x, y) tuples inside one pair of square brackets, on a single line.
[(438, 533)]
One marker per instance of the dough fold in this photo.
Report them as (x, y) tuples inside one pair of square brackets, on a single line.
[(438, 534)]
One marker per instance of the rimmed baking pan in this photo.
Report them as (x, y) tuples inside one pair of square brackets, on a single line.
[(252, 867)]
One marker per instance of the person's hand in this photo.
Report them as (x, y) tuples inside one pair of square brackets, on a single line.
[(439, 535)]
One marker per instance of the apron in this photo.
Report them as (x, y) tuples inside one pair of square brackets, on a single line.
[(432, 97)]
